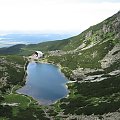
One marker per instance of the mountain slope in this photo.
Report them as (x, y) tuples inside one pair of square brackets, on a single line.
[(100, 44), (93, 60)]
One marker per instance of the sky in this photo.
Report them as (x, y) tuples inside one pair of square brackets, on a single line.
[(54, 16)]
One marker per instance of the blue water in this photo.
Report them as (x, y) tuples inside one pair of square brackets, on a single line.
[(45, 83)]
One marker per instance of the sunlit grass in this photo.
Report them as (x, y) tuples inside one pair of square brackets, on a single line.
[(21, 100)]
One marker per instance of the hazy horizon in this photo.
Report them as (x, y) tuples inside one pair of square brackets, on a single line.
[(7, 40)]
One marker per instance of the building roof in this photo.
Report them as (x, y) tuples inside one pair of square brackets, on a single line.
[(39, 52)]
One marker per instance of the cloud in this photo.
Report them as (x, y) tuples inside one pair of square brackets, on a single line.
[(54, 15)]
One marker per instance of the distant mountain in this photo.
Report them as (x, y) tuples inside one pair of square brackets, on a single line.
[(19, 38)]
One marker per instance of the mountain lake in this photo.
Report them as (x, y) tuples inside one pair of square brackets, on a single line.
[(45, 83)]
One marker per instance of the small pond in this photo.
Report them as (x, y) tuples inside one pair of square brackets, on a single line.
[(45, 83)]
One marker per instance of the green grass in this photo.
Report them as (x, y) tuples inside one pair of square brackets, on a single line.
[(22, 100), (3, 118), (16, 59)]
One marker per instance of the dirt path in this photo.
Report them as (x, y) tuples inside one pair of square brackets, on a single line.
[(11, 92), (47, 115)]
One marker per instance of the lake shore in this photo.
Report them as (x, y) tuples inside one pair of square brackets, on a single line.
[(44, 62)]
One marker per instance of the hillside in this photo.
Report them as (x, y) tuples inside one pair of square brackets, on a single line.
[(92, 60), (100, 44)]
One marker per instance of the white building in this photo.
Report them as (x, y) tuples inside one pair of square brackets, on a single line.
[(38, 54)]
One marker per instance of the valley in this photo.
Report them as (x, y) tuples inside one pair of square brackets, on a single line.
[(91, 59)]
